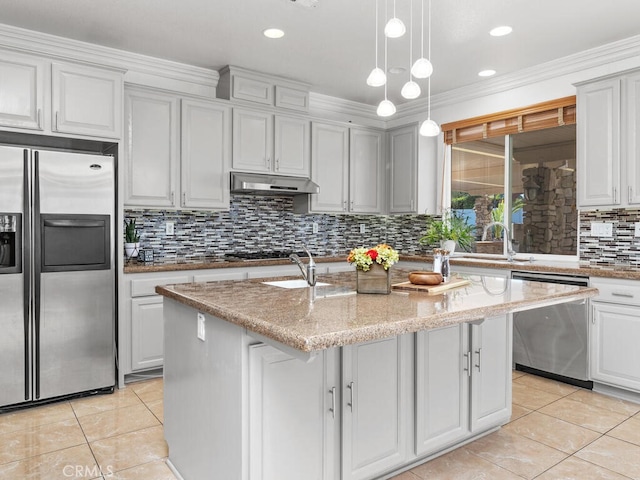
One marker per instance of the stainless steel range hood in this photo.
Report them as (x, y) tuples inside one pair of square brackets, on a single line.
[(266, 184)]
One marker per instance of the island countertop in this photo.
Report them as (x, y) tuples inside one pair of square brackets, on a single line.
[(312, 319)]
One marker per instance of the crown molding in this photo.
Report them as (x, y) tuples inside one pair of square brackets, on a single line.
[(325, 106), (139, 69)]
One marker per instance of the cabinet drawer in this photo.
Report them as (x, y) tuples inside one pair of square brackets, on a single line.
[(617, 291), (147, 286)]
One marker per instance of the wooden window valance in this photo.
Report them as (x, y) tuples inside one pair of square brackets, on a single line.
[(527, 119)]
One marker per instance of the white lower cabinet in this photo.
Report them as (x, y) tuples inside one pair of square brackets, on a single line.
[(615, 330), (293, 415), (463, 382), (376, 403), (147, 340)]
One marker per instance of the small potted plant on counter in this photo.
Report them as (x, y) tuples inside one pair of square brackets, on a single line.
[(131, 239), (452, 229), (372, 268)]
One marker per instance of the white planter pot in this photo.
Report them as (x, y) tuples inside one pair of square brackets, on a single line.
[(131, 249), (449, 245)]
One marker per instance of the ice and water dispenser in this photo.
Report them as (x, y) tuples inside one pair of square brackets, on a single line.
[(10, 243)]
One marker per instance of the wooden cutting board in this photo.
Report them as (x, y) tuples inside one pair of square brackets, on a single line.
[(453, 283)]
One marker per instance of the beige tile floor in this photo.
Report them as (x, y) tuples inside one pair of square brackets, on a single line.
[(556, 432)]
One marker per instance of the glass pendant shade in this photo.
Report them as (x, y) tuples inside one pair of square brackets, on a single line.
[(394, 28), (422, 68), (429, 128), (376, 78), (386, 108), (410, 90)]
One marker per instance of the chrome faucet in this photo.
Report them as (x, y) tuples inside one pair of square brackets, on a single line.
[(308, 273), (507, 234)]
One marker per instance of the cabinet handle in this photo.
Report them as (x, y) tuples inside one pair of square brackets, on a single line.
[(344, 206), (622, 294), (184, 199), (350, 403), (630, 194), (277, 164), (615, 195), (56, 122), (351, 205), (467, 369), (333, 402), (40, 118), (268, 162), (593, 314), (479, 352), (172, 196)]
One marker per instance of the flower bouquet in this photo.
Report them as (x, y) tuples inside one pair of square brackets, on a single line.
[(372, 267)]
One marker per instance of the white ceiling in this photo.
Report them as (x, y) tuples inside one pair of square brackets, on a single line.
[(331, 46)]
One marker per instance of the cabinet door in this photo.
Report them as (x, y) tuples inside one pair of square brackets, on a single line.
[(252, 140), (86, 101), (205, 158), (330, 167), (151, 144), (403, 154), (292, 151), (491, 342), (21, 91), (615, 356), (291, 428), (365, 171), (632, 136), (598, 144), (442, 387), (376, 389), (147, 337)]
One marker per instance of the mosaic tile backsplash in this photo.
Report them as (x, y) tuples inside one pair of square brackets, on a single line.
[(622, 248), (255, 223)]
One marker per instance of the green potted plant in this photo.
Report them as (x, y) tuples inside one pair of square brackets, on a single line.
[(448, 231), (131, 239)]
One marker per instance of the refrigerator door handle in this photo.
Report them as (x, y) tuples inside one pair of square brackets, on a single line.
[(26, 276), (37, 271)]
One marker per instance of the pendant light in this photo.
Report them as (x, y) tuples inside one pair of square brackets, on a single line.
[(411, 89), (377, 77), (386, 108), (429, 128), (423, 68), (394, 28)]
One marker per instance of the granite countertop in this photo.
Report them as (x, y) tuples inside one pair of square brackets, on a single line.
[(297, 319), (628, 272)]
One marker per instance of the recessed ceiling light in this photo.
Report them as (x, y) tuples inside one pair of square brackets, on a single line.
[(486, 73), (501, 31), (273, 33)]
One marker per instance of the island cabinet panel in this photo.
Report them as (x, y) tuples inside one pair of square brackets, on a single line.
[(376, 403), (442, 387), (491, 350), (293, 416), (463, 382)]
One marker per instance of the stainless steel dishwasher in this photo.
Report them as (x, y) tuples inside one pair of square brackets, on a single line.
[(553, 341)]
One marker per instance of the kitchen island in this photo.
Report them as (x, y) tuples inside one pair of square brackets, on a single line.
[(322, 383)]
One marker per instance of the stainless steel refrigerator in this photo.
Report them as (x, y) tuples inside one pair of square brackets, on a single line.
[(57, 276)]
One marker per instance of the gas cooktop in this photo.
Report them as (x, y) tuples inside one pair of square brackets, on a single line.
[(262, 255)]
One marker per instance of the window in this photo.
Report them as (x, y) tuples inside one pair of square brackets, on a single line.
[(537, 186)]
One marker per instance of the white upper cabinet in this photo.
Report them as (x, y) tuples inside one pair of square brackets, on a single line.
[(59, 99), (22, 80), (347, 165), (365, 171), (205, 155), (263, 143), (608, 128), (152, 149), (86, 100), (177, 151), (598, 143), (403, 163)]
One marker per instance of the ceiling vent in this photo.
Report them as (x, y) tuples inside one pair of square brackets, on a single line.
[(305, 3)]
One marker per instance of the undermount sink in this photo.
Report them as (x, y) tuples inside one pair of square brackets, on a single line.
[(297, 283)]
